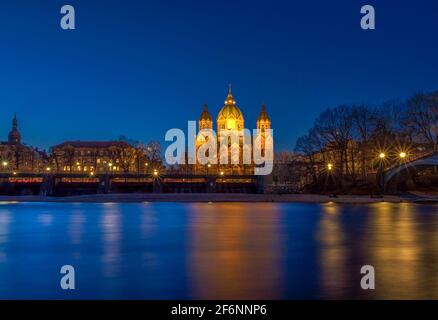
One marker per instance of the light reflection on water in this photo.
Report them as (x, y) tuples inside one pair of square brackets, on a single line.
[(219, 250), (237, 253)]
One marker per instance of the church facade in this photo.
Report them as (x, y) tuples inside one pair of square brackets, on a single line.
[(229, 157)]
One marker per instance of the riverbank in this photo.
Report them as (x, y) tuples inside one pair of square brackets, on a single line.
[(220, 197)]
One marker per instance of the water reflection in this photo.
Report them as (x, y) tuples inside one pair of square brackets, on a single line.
[(76, 226), (334, 253), (399, 240), (111, 235), (402, 249), (223, 251), (5, 220), (235, 251)]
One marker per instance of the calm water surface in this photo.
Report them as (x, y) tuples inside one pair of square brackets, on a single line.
[(209, 251)]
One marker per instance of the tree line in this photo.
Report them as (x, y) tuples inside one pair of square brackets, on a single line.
[(354, 141)]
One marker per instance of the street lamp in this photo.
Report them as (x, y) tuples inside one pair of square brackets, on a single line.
[(155, 172), (5, 164), (402, 155), (146, 165), (329, 176), (222, 173), (48, 169), (381, 181)]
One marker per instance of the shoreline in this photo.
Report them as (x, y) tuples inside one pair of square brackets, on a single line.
[(220, 197)]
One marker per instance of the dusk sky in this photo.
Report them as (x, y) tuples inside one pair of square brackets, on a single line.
[(139, 68)]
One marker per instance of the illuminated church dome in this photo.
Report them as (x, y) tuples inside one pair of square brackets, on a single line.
[(14, 137), (230, 117)]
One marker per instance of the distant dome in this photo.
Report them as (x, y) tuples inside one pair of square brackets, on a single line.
[(230, 112)]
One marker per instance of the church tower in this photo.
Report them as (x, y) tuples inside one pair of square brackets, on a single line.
[(263, 124), (230, 121), (263, 121), (14, 137), (205, 121)]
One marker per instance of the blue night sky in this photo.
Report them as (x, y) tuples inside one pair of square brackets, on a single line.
[(139, 68)]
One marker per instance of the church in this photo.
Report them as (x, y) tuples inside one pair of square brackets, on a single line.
[(229, 119), (17, 157)]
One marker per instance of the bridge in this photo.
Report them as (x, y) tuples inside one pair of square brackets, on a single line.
[(389, 178), (65, 184)]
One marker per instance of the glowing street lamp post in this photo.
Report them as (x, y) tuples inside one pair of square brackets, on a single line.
[(382, 157), (5, 165), (329, 176), (330, 167)]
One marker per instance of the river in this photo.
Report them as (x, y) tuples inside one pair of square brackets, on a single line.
[(218, 250)]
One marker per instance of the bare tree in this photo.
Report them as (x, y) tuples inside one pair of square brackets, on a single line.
[(422, 117), (153, 154), (364, 124), (335, 128)]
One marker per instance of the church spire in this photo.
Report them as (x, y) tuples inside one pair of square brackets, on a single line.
[(14, 137), (15, 121), (263, 120), (230, 99)]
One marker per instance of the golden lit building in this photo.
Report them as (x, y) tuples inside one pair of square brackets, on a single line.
[(94, 157), (17, 157), (230, 120)]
